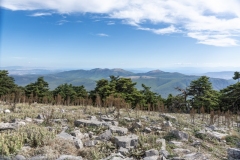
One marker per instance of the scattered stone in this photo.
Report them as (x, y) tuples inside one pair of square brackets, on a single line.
[(90, 133), (181, 151), (213, 127), (115, 123), (40, 116), (167, 124), (180, 135), (129, 141), (147, 130), (233, 153), (115, 156), (8, 126), (137, 125), (168, 117), (197, 156), (90, 143), (196, 143), (39, 157), (119, 130), (107, 118), (27, 119), (156, 128), (145, 118), (38, 121), (7, 111), (65, 136), (77, 134), (152, 158), (176, 143), (152, 152), (69, 157), (84, 122), (123, 151), (165, 153), (19, 157), (163, 142), (217, 135), (105, 136), (128, 119), (78, 143)]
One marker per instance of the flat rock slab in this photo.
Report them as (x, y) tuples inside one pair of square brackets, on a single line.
[(65, 136), (107, 118), (152, 158), (217, 135), (11, 126), (119, 130), (129, 141), (196, 156), (180, 135), (151, 152), (69, 157), (84, 122), (176, 143)]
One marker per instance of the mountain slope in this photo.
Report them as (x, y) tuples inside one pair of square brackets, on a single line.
[(160, 82)]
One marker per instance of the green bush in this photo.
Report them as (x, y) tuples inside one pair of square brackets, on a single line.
[(232, 140), (12, 141)]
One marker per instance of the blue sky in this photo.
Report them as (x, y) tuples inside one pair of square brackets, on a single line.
[(160, 34)]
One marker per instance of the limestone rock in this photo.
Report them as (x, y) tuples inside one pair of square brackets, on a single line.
[(69, 157), (197, 156), (152, 158), (176, 143), (19, 157), (152, 152), (129, 141), (7, 111), (78, 143), (168, 117), (105, 136), (119, 130), (163, 142), (147, 130), (233, 153), (90, 143), (84, 122), (165, 153), (180, 135), (77, 134)]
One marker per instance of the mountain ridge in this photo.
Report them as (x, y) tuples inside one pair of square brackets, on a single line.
[(160, 82)]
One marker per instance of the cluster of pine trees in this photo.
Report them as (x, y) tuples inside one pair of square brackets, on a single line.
[(122, 92)]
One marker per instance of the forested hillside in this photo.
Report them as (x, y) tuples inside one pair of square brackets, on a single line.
[(160, 82), (197, 92)]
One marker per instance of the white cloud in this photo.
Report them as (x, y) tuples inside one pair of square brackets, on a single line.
[(110, 23), (102, 35), (61, 22), (39, 14), (211, 22)]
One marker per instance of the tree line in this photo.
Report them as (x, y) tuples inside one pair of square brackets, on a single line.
[(122, 92)]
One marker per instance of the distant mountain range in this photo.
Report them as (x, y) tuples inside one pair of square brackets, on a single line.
[(160, 82), (223, 75)]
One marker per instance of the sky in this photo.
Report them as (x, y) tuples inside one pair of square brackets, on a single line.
[(159, 34)]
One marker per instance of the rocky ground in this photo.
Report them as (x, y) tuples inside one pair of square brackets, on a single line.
[(40, 132)]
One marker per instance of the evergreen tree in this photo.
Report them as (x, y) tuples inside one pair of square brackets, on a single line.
[(7, 84)]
